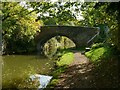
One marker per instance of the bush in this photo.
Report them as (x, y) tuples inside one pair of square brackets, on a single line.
[(98, 52)]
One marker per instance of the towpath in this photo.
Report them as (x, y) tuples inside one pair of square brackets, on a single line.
[(83, 74)]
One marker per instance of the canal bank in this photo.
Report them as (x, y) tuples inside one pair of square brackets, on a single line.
[(80, 72), (86, 73), (62, 73)]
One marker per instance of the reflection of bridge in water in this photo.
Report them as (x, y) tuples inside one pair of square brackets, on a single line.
[(81, 36)]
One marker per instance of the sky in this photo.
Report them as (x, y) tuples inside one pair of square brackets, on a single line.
[(78, 15)]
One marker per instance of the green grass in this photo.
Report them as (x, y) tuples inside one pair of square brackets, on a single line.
[(95, 54), (65, 59), (98, 52)]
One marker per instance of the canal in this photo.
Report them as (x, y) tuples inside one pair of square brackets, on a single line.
[(15, 67)]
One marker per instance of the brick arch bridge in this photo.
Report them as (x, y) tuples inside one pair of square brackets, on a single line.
[(81, 36)]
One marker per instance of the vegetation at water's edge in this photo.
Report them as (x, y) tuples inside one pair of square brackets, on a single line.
[(65, 59), (105, 59), (23, 81), (20, 26), (99, 51)]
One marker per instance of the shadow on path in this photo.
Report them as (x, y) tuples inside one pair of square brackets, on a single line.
[(83, 74)]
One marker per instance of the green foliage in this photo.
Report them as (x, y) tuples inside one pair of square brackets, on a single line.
[(97, 45), (98, 52), (19, 27), (58, 70), (50, 47), (95, 54), (96, 14), (97, 17), (66, 59), (52, 83), (28, 83), (57, 46), (58, 13)]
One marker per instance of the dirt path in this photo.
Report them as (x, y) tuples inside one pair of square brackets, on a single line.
[(82, 74), (78, 75), (79, 59)]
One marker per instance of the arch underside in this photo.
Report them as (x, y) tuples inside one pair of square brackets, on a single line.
[(79, 35), (42, 41)]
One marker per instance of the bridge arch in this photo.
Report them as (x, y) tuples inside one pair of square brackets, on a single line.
[(52, 45), (41, 43), (81, 36)]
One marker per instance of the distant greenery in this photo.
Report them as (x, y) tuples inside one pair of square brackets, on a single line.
[(57, 46)]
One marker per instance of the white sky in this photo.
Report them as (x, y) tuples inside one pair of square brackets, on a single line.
[(78, 15)]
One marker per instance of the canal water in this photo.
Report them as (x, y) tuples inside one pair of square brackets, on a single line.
[(15, 66)]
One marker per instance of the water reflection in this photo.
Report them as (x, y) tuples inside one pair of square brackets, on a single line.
[(16, 66)]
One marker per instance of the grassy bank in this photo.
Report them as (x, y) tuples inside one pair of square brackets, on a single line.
[(99, 51), (66, 57), (105, 60)]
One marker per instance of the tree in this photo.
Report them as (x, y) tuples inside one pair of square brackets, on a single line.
[(113, 9), (18, 26), (103, 13), (59, 13)]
